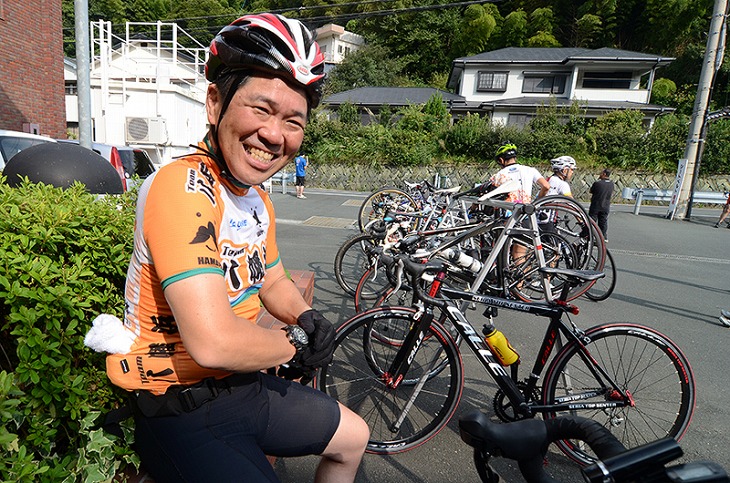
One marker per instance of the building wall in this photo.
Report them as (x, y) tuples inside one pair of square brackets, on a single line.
[(31, 82)]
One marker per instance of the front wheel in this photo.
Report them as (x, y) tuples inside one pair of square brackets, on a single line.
[(602, 288), (644, 364), (403, 418)]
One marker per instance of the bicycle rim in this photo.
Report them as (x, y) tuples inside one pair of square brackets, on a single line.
[(422, 405), (380, 202), (603, 287), (642, 362), (351, 261)]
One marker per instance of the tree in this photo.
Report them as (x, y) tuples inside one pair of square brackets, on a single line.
[(477, 25), (369, 66), (514, 30)]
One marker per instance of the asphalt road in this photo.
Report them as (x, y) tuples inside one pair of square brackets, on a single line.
[(673, 276)]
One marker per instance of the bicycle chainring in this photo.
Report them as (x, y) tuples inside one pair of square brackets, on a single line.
[(504, 409)]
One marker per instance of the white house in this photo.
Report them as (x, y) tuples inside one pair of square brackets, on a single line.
[(335, 43), (510, 84), (145, 92)]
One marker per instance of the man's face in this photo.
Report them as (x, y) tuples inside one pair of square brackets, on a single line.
[(262, 128)]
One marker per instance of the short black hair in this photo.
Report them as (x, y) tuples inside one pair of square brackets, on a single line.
[(607, 172)]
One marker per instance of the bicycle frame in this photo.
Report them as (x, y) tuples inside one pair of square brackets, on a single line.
[(507, 383)]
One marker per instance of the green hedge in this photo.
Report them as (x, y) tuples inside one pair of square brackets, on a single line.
[(417, 136), (65, 256)]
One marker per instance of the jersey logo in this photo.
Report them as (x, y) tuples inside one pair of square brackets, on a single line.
[(201, 182), (204, 234)]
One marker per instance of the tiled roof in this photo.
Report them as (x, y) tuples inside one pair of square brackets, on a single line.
[(393, 96), (557, 55)]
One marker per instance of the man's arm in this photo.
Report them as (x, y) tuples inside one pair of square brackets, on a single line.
[(544, 187), (215, 337), (281, 297)]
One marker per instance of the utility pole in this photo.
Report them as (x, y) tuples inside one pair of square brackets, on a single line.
[(83, 71), (684, 181)]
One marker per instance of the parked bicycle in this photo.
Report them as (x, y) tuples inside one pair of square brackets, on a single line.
[(402, 372)]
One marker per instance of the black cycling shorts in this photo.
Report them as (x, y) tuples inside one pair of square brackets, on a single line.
[(299, 180), (228, 438)]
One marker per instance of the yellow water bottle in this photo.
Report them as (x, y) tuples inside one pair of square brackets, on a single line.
[(499, 345)]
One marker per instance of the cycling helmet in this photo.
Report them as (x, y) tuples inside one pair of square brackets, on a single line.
[(506, 151), (272, 43), (562, 162)]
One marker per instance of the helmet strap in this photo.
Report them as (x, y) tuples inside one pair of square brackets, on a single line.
[(218, 154)]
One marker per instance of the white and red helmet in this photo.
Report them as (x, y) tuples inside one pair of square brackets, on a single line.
[(272, 43)]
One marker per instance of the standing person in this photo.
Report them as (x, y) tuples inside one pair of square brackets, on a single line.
[(205, 257), (525, 176), (301, 163), (725, 212), (563, 169), (601, 192)]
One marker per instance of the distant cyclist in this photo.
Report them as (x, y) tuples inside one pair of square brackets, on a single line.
[(525, 176), (563, 169)]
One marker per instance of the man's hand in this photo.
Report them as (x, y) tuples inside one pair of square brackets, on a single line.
[(321, 339)]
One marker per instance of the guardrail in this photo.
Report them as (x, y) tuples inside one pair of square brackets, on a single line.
[(281, 178), (648, 194)]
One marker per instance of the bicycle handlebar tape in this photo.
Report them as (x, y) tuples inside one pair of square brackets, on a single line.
[(634, 463)]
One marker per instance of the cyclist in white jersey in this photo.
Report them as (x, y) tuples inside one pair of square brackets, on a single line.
[(563, 169), (526, 176)]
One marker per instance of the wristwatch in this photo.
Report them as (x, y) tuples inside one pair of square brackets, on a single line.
[(297, 337)]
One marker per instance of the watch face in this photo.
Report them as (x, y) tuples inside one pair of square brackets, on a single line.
[(297, 335)]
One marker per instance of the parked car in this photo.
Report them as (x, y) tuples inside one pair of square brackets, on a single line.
[(13, 142), (126, 160)]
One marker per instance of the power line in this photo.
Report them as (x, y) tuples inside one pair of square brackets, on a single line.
[(325, 18)]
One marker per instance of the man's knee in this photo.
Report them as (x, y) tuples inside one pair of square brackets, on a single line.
[(350, 438)]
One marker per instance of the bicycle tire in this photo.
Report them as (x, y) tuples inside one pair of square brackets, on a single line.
[(380, 202), (522, 276), (351, 261), (574, 224), (375, 288), (355, 379), (602, 288), (643, 362)]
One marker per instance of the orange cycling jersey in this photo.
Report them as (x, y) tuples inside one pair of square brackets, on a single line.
[(189, 222)]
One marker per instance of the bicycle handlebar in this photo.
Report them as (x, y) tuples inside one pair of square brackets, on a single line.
[(527, 441)]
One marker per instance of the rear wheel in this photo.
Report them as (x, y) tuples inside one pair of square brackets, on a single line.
[(603, 287), (353, 259), (644, 364), (381, 202)]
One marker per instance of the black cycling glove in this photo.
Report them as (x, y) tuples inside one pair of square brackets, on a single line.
[(321, 334)]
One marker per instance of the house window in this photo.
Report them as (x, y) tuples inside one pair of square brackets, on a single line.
[(606, 80), (71, 88), (519, 120), (339, 49), (323, 48), (491, 81), (544, 84)]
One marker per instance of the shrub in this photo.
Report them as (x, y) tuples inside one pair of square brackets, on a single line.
[(65, 255)]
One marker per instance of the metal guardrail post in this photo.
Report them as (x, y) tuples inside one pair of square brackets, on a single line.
[(639, 199)]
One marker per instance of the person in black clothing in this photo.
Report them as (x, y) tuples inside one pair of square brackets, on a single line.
[(601, 192)]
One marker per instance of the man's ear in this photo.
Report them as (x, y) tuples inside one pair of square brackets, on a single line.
[(213, 104)]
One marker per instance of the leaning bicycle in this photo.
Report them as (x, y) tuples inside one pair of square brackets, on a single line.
[(402, 372)]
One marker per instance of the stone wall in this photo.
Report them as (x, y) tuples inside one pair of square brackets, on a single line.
[(363, 178)]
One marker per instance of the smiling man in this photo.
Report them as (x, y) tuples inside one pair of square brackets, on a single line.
[(205, 259)]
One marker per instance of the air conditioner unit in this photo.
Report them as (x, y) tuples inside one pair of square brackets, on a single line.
[(145, 130)]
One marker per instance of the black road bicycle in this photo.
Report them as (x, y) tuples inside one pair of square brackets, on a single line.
[(402, 372)]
